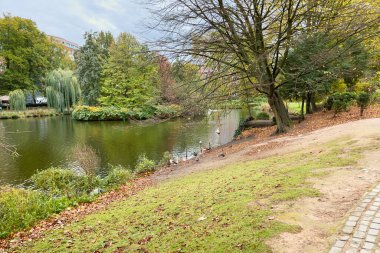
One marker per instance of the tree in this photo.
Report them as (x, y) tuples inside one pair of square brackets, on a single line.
[(130, 76), (27, 54), (90, 60), (363, 100), (62, 89), (166, 79), (253, 38), (314, 66), (17, 100)]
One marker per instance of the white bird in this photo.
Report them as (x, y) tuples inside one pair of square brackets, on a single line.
[(217, 131)]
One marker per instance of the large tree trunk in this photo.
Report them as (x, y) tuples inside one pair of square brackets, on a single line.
[(309, 109), (280, 112), (311, 106), (314, 107)]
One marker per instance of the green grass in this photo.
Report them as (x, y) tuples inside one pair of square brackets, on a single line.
[(294, 107), (222, 210), (27, 114)]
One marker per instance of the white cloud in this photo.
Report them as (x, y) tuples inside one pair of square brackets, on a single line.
[(111, 5), (70, 19), (101, 24), (92, 18)]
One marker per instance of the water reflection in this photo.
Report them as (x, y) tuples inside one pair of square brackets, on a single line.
[(47, 142)]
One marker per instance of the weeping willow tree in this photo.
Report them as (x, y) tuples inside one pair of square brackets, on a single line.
[(17, 100), (62, 90)]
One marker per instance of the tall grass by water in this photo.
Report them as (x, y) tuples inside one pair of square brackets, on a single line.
[(5, 114), (55, 189)]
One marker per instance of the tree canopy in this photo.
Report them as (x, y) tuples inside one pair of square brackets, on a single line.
[(252, 39), (90, 60), (130, 76), (26, 54)]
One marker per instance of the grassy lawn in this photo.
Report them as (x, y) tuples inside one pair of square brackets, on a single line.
[(222, 210), (294, 107)]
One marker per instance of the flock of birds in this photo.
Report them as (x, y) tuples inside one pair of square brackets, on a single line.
[(195, 154)]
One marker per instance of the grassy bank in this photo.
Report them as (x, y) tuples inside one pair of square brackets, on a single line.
[(52, 191), (28, 114), (222, 210)]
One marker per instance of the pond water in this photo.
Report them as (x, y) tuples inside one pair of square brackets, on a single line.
[(46, 142)]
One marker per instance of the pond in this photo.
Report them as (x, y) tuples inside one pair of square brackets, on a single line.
[(46, 142)]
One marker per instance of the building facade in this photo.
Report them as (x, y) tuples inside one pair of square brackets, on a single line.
[(70, 47)]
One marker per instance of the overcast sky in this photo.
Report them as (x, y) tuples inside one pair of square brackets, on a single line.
[(71, 18)]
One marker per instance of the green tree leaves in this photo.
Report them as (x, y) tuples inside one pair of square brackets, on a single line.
[(130, 76), (62, 89), (26, 54), (90, 60)]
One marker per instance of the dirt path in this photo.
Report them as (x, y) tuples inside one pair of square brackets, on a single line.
[(320, 218), (363, 129)]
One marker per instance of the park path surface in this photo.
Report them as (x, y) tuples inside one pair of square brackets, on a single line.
[(361, 231)]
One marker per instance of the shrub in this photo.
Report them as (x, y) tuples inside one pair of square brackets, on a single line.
[(64, 182), (241, 127), (262, 116), (144, 165), (168, 111), (20, 208), (88, 113), (117, 176), (165, 161), (365, 87), (55, 181), (340, 102), (363, 100), (376, 96), (141, 113), (52, 191)]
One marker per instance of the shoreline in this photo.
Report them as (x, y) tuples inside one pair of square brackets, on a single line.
[(260, 144)]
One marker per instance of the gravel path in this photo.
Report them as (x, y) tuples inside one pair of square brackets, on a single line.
[(361, 231)]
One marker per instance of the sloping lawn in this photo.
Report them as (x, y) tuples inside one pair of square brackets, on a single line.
[(222, 210)]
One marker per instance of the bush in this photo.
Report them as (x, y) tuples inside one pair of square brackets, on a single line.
[(340, 102), (241, 127), (168, 111), (144, 165), (363, 100), (65, 182), (117, 176), (376, 96), (20, 208), (365, 87), (88, 113), (262, 116), (165, 161), (141, 113), (52, 191)]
